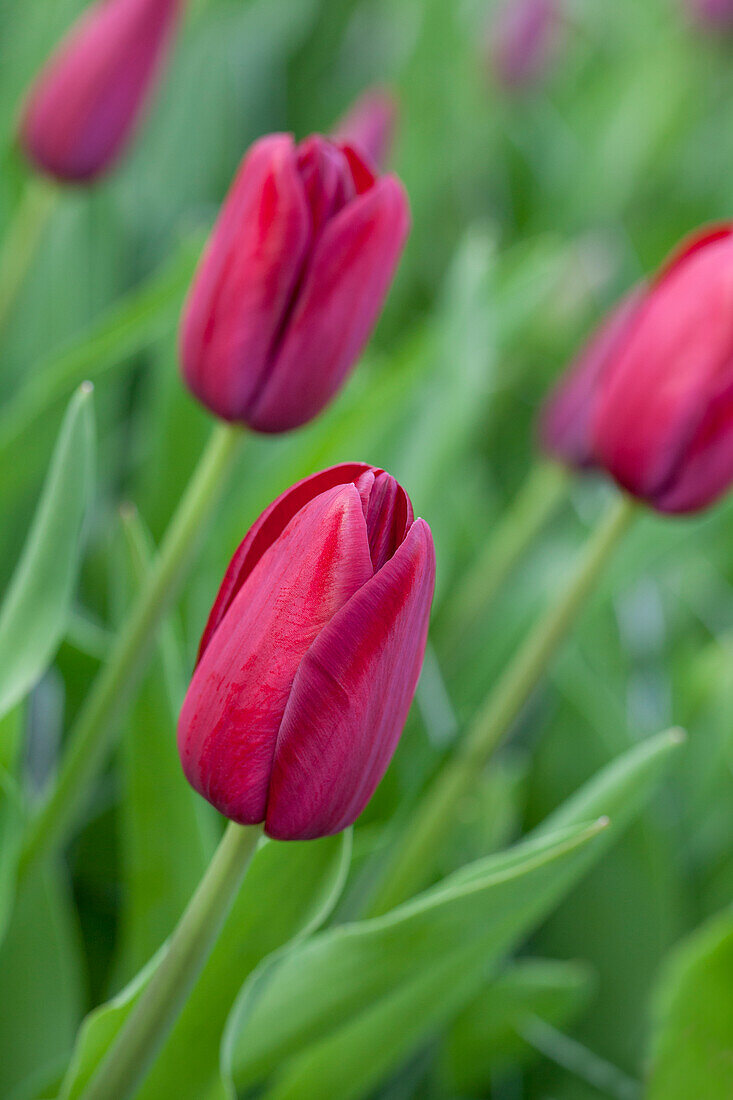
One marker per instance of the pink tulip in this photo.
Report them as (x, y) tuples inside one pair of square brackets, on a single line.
[(663, 420), (292, 282), (82, 111), (567, 417), (369, 125), (310, 658), (522, 39), (715, 15)]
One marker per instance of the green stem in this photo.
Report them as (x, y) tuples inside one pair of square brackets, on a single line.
[(90, 738), (22, 238), (414, 855), (160, 1002), (538, 497)]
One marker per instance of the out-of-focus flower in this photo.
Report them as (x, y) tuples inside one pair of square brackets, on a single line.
[(83, 108), (566, 420), (663, 419), (310, 658), (369, 125), (292, 282), (522, 38), (715, 15)]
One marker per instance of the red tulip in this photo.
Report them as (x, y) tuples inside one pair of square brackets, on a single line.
[(567, 418), (663, 422), (310, 658), (82, 110), (522, 38), (369, 125), (292, 282)]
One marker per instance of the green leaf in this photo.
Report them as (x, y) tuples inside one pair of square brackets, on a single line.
[(692, 1047), (11, 831), (41, 977), (335, 1015), (486, 1037), (167, 837), (36, 606), (289, 890)]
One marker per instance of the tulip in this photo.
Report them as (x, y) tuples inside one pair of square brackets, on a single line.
[(522, 38), (83, 109), (715, 15), (663, 421), (567, 418), (311, 654), (292, 282), (369, 125)]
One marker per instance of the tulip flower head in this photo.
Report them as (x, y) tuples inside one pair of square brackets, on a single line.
[(663, 420), (713, 15), (292, 281), (522, 37), (82, 111), (566, 420), (310, 658), (369, 126)]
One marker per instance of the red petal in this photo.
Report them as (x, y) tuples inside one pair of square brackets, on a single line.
[(235, 702), (348, 276), (265, 530), (245, 282), (350, 698)]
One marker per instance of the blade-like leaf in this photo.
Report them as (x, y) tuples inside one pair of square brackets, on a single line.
[(36, 606)]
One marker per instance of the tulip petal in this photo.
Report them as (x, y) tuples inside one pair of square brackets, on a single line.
[(350, 698), (87, 100), (245, 283), (266, 529), (232, 711), (342, 295), (705, 469)]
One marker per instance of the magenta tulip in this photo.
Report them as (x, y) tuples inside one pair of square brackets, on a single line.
[(369, 125), (292, 282), (83, 109), (663, 421), (522, 38), (566, 420), (310, 658), (714, 15)]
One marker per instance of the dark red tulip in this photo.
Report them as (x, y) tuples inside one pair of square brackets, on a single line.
[(292, 282), (369, 125), (82, 110), (310, 658), (663, 421), (567, 417), (522, 38)]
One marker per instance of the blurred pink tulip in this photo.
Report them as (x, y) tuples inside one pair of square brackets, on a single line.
[(715, 15), (369, 126), (311, 655), (522, 38)]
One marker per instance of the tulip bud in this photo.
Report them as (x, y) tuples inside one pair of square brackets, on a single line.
[(566, 420), (292, 282), (522, 38), (714, 15), (369, 126), (663, 420), (310, 658), (82, 110)]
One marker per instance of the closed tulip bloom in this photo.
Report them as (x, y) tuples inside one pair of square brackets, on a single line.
[(715, 15), (83, 109), (566, 420), (369, 125), (310, 658), (663, 423), (522, 37), (292, 282)]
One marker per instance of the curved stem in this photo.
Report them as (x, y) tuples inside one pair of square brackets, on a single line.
[(22, 238), (536, 500), (90, 738), (415, 853), (160, 1002)]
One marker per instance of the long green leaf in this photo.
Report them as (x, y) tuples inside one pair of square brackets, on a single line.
[(36, 606)]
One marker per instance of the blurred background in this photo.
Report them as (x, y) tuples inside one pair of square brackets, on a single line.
[(535, 204)]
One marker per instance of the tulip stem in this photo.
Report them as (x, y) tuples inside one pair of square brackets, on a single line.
[(89, 741), (158, 1005), (22, 239), (414, 855), (536, 500)]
